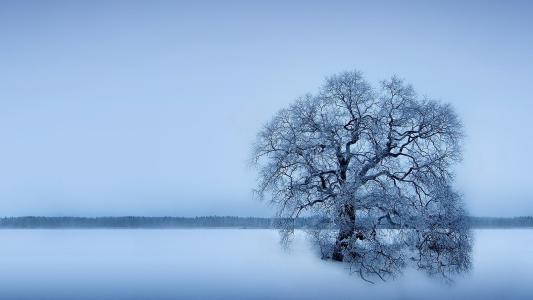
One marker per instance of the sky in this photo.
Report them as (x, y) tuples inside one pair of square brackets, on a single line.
[(150, 107)]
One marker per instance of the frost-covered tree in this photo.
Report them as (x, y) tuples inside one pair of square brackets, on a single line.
[(375, 165)]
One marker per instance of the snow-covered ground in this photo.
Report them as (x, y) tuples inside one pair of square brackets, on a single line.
[(232, 264)]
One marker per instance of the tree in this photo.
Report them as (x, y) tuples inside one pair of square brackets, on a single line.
[(375, 165)]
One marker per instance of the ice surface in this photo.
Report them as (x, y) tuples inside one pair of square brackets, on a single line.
[(232, 264)]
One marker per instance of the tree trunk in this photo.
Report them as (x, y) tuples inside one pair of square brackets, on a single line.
[(346, 231)]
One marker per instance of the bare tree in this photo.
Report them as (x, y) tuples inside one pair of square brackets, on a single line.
[(375, 164)]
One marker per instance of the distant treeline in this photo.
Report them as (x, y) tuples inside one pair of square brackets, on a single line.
[(209, 222), (516, 222), (147, 222)]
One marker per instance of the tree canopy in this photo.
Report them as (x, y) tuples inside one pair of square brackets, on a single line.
[(354, 152)]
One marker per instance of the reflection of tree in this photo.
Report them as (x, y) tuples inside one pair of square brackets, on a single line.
[(375, 166)]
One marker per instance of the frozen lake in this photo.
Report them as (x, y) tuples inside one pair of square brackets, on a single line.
[(232, 264)]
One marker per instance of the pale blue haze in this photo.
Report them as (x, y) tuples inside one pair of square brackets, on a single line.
[(150, 108)]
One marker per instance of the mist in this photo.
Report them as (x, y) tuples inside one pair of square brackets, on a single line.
[(135, 109)]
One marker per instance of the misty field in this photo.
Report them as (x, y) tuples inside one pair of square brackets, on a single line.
[(233, 264)]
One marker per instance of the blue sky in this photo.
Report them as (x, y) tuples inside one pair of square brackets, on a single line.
[(150, 107)]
